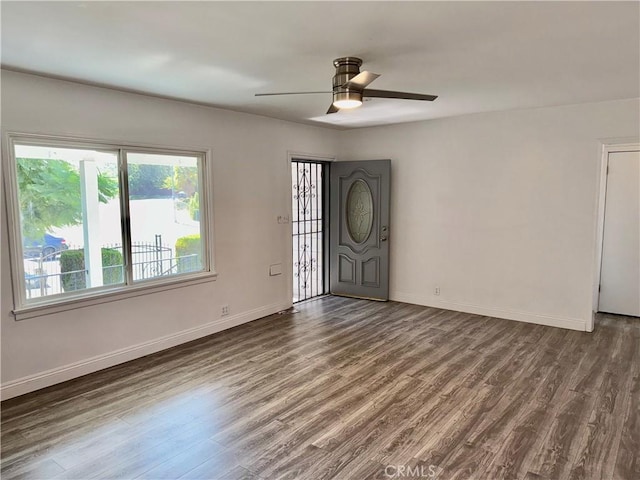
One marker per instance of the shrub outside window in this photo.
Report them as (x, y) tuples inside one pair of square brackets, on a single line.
[(90, 218)]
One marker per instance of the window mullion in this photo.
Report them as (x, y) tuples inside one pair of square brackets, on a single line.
[(204, 193), (125, 216)]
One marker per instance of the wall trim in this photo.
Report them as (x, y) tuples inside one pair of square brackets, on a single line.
[(47, 378), (548, 320)]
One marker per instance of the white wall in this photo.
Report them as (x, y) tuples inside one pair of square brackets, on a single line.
[(497, 209), (251, 188)]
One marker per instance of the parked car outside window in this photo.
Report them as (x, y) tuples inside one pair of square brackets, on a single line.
[(47, 246)]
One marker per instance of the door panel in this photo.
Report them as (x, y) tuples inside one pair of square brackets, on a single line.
[(620, 277), (359, 247), (346, 270)]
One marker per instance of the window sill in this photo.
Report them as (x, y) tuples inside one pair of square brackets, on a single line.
[(96, 298)]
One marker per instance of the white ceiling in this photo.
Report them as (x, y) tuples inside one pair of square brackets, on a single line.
[(477, 56)]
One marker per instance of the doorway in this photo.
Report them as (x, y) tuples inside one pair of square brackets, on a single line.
[(309, 226), (619, 288)]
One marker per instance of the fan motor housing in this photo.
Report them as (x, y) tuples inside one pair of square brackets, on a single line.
[(346, 69)]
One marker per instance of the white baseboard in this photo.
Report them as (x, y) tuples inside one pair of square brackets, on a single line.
[(551, 321), (90, 365)]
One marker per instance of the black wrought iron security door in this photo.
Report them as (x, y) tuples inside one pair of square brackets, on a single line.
[(308, 226)]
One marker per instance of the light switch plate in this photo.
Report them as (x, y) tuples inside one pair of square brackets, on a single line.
[(275, 269)]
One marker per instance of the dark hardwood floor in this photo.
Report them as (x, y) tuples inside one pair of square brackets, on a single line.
[(348, 389)]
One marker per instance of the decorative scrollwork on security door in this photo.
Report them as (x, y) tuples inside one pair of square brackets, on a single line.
[(307, 224)]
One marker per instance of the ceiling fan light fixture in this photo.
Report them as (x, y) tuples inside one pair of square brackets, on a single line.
[(347, 104), (347, 100), (350, 85)]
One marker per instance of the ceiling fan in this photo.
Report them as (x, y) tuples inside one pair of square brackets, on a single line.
[(349, 87)]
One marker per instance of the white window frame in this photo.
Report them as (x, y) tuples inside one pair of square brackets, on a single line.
[(57, 303)]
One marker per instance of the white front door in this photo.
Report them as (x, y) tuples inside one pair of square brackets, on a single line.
[(620, 277)]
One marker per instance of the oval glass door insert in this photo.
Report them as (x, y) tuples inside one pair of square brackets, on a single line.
[(359, 211)]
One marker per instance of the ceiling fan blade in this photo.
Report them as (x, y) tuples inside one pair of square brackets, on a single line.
[(361, 80), (288, 93), (332, 109), (402, 95)]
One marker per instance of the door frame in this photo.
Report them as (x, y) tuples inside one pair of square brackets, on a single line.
[(291, 156), (606, 149)]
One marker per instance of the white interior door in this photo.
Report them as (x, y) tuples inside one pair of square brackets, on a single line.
[(620, 277)]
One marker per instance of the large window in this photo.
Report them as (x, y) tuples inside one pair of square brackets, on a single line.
[(92, 219)]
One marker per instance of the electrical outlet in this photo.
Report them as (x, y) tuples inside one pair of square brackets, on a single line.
[(225, 310), (436, 291)]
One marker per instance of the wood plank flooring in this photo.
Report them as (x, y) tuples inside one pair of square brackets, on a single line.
[(348, 389)]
